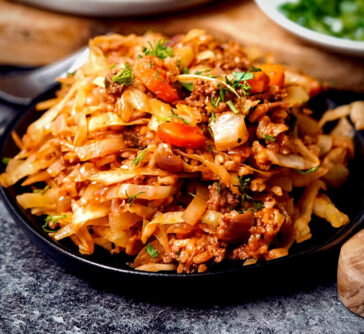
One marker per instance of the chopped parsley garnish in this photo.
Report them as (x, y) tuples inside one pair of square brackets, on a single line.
[(255, 69), (41, 191), (71, 74), (5, 161), (159, 76), (188, 86), (241, 81), (209, 147), (151, 251), (232, 107), (54, 219), (212, 117), (159, 49), (214, 102), (176, 116), (131, 199), (257, 205), (139, 158), (244, 183), (46, 229), (243, 76), (218, 187), (269, 138), (221, 93), (51, 219), (309, 171), (186, 70), (125, 76)]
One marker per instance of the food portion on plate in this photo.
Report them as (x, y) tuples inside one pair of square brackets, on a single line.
[(338, 18), (183, 153)]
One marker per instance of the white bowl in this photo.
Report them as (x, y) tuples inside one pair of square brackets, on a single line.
[(346, 46), (121, 8)]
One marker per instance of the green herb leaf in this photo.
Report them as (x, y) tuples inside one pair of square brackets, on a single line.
[(214, 102), (41, 191), (159, 76), (212, 117), (125, 76), (244, 183), (139, 158), (309, 171), (151, 251), (219, 187), (131, 199), (46, 229), (159, 50), (51, 219), (257, 205), (221, 93), (54, 219), (5, 161), (186, 70), (232, 107), (176, 116), (269, 138), (243, 76), (188, 86), (255, 69)]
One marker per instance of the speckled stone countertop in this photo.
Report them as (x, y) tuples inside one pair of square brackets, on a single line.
[(39, 296)]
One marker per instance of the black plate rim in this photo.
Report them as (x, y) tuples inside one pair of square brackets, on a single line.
[(15, 212)]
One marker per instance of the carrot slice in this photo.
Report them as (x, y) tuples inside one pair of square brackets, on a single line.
[(155, 79), (275, 73), (181, 135), (259, 83)]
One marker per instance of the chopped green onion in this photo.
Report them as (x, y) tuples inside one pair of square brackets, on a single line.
[(309, 171), (232, 107), (41, 191), (139, 158), (131, 199), (269, 138)]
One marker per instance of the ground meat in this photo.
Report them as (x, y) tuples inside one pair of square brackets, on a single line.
[(234, 227), (266, 127), (260, 156), (232, 58), (202, 91), (193, 252), (131, 137), (267, 224), (221, 199), (113, 87)]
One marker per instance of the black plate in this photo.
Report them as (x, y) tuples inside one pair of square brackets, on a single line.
[(308, 257)]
